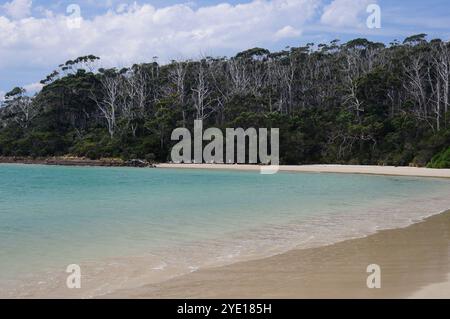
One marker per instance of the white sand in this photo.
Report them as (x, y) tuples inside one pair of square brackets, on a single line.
[(349, 169), (434, 291)]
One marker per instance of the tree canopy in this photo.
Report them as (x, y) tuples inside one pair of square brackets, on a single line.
[(359, 102)]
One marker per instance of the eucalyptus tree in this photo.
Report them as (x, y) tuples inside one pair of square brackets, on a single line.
[(109, 103), (355, 102), (19, 107)]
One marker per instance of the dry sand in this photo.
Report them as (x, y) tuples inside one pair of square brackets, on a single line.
[(349, 169), (414, 261)]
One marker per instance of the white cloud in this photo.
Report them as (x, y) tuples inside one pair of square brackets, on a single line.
[(33, 88), (288, 32), (345, 13), (18, 9), (138, 33)]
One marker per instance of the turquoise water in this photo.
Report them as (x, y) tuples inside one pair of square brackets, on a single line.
[(129, 222)]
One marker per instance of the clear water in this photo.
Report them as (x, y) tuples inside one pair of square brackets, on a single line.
[(128, 227)]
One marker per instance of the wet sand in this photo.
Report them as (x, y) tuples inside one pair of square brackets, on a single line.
[(414, 261), (348, 169)]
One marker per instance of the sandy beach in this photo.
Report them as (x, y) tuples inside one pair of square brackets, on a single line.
[(327, 168), (414, 261), (319, 168)]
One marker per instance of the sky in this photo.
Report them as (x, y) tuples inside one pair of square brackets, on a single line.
[(38, 35)]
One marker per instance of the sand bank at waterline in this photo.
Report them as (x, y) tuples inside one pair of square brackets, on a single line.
[(349, 169)]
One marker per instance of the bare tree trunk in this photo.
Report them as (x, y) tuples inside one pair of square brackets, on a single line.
[(109, 103)]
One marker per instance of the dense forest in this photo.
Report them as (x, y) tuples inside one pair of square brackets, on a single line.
[(358, 102)]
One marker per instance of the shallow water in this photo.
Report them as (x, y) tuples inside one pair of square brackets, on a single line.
[(127, 227)]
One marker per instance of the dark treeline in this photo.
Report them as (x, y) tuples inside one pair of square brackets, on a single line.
[(360, 102)]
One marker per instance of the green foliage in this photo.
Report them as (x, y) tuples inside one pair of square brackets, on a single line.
[(350, 103), (441, 160)]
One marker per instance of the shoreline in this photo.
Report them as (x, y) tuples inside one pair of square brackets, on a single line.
[(326, 168), (434, 283), (315, 168), (414, 261)]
